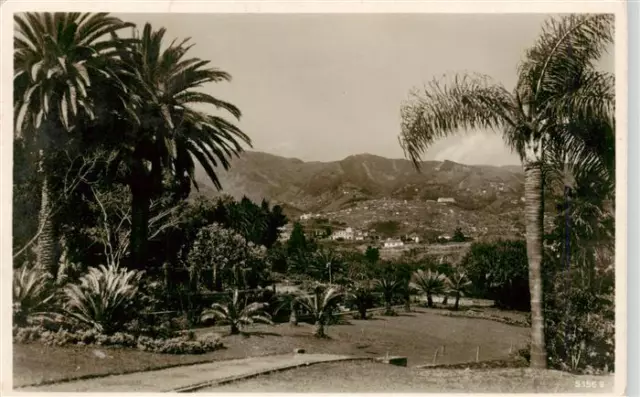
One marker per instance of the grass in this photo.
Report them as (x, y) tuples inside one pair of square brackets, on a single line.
[(416, 335), (367, 377)]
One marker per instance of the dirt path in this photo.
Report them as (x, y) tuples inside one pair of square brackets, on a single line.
[(189, 377)]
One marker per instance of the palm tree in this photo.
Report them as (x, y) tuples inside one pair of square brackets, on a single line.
[(361, 295), (404, 271), (388, 285), (320, 306), (457, 284), (559, 91), (429, 283), (58, 60), (166, 133), (237, 314)]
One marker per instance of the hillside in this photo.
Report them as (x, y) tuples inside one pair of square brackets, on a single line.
[(362, 189)]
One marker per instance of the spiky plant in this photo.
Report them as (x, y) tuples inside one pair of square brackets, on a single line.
[(457, 285), (33, 293), (237, 313), (102, 298), (429, 283), (321, 306)]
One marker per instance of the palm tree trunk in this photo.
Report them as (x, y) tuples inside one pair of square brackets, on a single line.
[(293, 317), (234, 329), (445, 301), (534, 228), (407, 302), (457, 304), (46, 249), (319, 329), (363, 312), (429, 300)]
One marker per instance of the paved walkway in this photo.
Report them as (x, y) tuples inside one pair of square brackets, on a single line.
[(190, 377)]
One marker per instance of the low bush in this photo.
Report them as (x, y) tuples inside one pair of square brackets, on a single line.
[(185, 344)]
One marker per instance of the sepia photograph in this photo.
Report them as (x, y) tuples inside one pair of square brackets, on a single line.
[(314, 202)]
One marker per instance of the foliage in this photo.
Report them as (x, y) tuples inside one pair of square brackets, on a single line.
[(103, 297), (33, 294), (499, 272), (186, 344), (457, 284), (580, 326), (298, 240), (388, 283), (321, 306), (222, 256), (237, 314), (428, 283), (372, 254)]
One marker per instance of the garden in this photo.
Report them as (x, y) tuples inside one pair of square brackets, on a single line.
[(118, 265)]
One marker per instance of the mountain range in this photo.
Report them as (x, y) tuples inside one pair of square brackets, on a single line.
[(359, 183)]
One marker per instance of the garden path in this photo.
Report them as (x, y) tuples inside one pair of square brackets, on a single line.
[(191, 377)]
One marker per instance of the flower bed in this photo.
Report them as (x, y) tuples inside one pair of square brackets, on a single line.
[(185, 344)]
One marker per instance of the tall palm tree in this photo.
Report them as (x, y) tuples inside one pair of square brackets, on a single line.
[(429, 283), (167, 133), (58, 60), (559, 90)]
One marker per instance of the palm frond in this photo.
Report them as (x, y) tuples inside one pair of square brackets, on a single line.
[(445, 107)]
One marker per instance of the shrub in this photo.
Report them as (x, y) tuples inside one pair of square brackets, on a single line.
[(579, 327), (186, 344), (237, 314), (33, 294), (499, 271), (103, 297), (27, 334)]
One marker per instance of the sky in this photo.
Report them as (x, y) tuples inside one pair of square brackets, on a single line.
[(323, 87)]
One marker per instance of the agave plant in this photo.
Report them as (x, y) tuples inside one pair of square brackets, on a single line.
[(457, 284), (33, 293), (429, 283), (320, 306), (102, 297), (238, 314)]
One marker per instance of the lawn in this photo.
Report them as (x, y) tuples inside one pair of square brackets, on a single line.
[(416, 335), (368, 377)]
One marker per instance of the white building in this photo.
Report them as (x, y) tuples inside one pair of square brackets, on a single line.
[(391, 243), (446, 200), (346, 234)]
